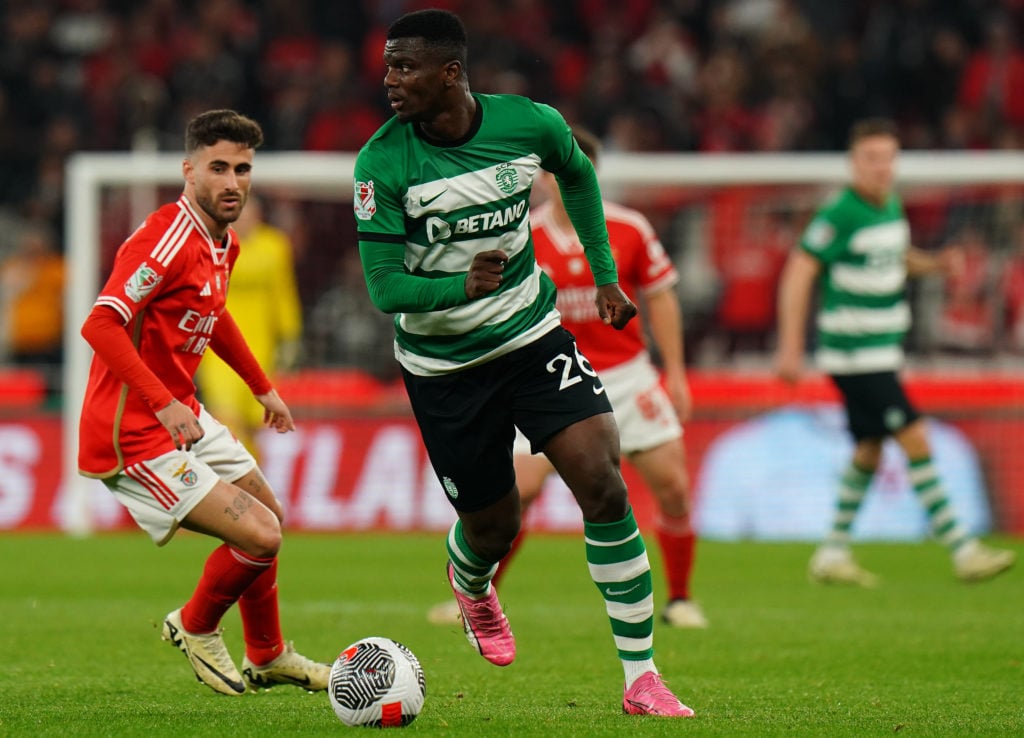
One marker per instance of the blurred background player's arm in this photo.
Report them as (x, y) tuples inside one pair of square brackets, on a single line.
[(664, 319), (797, 282), (948, 261)]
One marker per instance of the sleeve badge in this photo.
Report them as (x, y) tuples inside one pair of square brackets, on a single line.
[(363, 203), (141, 283)]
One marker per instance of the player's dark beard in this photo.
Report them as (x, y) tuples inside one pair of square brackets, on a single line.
[(209, 206)]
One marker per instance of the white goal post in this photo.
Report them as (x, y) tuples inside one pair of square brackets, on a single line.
[(319, 175)]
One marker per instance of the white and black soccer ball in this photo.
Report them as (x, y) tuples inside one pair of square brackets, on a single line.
[(377, 682)]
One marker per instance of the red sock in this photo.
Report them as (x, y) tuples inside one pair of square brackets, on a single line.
[(227, 574), (507, 558), (260, 620), (677, 541)]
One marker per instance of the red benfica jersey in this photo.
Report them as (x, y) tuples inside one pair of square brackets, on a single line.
[(168, 286), (643, 267)]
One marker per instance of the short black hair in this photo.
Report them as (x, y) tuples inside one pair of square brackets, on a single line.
[(441, 31), (208, 128), (589, 144), (868, 127)]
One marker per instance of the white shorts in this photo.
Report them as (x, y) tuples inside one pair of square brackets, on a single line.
[(159, 493), (643, 410)]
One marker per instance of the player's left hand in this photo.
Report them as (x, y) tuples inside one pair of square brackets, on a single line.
[(613, 306), (679, 392), (276, 414)]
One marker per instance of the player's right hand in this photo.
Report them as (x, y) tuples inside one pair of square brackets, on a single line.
[(484, 275), (789, 368), (181, 423)]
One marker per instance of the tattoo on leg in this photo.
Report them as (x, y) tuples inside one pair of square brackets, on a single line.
[(242, 502), (255, 484)]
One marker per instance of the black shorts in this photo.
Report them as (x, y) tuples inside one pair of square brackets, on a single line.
[(876, 405), (468, 418)]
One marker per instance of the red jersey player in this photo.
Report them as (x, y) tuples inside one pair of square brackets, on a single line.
[(649, 415), (144, 433)]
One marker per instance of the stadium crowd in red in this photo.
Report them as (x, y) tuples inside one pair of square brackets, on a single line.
[(645, 75), (727, 75)]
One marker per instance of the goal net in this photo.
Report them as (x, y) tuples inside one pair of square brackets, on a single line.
[(727, 220)]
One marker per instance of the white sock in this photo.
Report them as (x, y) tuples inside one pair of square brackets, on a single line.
[(635, 669)]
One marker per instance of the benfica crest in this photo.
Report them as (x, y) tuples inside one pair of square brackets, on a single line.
[(363, 203)]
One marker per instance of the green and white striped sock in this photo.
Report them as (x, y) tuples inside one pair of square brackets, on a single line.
[(472, 573), (618, 564), (853, 486), (932, 496)]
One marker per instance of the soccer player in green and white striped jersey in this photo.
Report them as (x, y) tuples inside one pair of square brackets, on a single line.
[(858, 248), (442, 207)]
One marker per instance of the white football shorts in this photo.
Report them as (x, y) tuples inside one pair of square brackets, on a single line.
[(159, 493), (643, 410)]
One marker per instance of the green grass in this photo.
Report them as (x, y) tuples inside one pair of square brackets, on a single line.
[(922, 656)]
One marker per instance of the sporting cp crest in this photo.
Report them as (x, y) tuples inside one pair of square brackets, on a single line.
[(364, 204), (507, 178)]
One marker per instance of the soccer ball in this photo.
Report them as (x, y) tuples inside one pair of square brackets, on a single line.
[(377, 682)]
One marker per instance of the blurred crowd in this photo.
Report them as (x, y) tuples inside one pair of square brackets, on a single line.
[(645, 75)]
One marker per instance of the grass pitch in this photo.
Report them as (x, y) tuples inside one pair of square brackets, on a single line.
[(923, 655)]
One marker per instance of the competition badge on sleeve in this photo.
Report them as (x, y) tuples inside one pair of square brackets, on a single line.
[(141, 283), (364, 204)]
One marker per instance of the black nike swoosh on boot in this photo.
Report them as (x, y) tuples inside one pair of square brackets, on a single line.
[(237, 686), (264, 682)]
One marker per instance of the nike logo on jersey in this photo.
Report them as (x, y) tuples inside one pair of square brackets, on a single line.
[(598, 389), (424, 201)]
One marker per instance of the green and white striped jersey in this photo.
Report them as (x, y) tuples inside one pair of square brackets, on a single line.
[(424, 210), (863, 316)]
